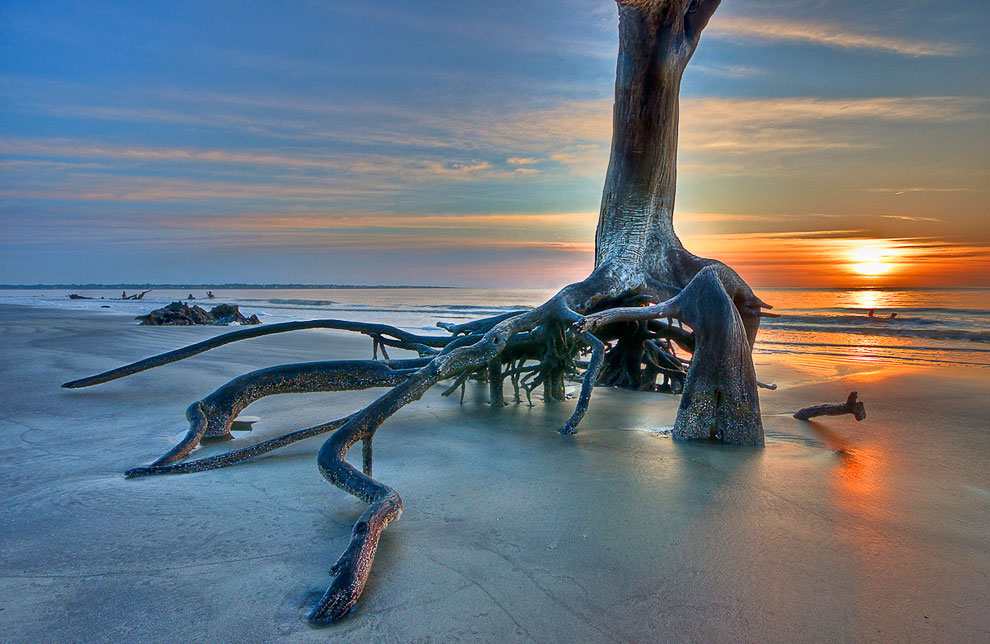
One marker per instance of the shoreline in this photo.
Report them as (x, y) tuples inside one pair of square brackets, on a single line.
[(946, 327), (173, 287), (836, 531)]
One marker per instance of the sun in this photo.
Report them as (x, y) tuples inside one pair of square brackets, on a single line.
[(871, 260)]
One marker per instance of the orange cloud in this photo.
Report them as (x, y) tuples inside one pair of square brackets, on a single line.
[(821, 33)]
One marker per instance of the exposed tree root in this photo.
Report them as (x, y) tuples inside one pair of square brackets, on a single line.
[(238, 455), (212, 417), (540, 348), (719, 400), (424, 343), (590, 377), (350, 572)]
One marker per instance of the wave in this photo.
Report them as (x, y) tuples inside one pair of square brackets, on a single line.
[(939, 355), (297, 302), (902, 326), (882, 311), (433, 309), (833, 345), (909, 309)]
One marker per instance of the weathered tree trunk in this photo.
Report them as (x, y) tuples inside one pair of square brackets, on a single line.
[(635, 236), (635, 243), (635, 230)]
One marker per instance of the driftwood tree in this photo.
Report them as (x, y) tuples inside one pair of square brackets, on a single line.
[(623, 314)]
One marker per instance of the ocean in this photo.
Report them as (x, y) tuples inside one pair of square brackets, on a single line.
[(935, 326)]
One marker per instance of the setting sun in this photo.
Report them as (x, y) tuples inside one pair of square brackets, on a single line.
[(871, 260)]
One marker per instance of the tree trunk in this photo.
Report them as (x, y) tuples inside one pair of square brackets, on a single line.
[(635, 244), (635, 236)]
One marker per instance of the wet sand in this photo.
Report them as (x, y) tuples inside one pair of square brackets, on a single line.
[(837, 531)]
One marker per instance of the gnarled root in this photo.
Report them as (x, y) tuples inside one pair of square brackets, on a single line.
[(590, 377), (213, 416), (623, 363), (238, 455), (381, 333), (532, 348), (722, 408), (719, 400), (350, 572)]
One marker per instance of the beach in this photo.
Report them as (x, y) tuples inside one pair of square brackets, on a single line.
[(836, 531)]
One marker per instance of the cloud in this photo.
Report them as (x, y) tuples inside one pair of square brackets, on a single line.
[(571, 131), (720, 137), (723, 135), (901, 191), (710, 217), (778, 224), (114, 188), (48, 165), (457, 167), (523, 133), (572, 233), (727, 71), (284, 176), (908, 218), (582, 154), (778, 111), (823, 33), (70, 149)]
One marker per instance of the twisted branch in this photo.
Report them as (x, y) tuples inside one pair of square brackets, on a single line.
[(404, 340), (213, 416)]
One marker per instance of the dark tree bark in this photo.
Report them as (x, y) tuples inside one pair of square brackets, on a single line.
[(851, 406), (635, 243), (638, 261)]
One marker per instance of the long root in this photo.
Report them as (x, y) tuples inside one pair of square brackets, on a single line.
[(383, 333), (212, 417), (238, 455), (630, 344)]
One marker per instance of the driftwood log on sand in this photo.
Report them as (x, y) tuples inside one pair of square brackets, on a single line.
[(851, 406)]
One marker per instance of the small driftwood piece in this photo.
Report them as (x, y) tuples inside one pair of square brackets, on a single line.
[(851, 406)]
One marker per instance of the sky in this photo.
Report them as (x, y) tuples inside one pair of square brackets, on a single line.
[(830, 143)]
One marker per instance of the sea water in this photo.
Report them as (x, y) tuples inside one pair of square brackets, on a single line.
[(945, 326)]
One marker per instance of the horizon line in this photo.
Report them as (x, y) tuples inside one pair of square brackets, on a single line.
[(300, 286)]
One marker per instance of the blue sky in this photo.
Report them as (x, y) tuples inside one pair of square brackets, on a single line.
[(466, 142)]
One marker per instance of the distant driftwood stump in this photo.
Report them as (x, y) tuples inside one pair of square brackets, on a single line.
[(851, 406), (181, 314)]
